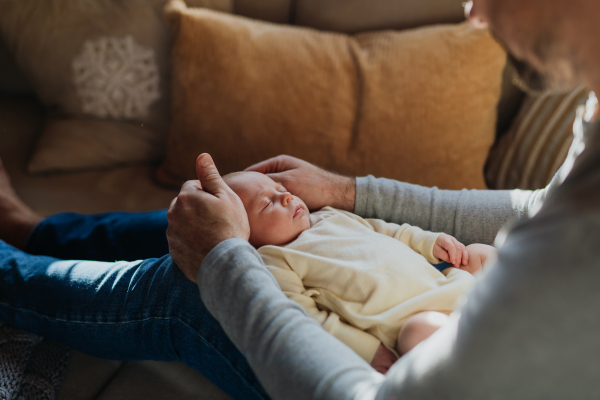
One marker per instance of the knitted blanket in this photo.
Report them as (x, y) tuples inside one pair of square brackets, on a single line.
[(31, 367)]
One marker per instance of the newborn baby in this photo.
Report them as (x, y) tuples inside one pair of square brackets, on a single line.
[(368, 282)]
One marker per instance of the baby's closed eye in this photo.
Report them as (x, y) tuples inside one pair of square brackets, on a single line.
[(267, 204)]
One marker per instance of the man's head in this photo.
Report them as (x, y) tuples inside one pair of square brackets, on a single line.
[(276, 217), (552, 43)]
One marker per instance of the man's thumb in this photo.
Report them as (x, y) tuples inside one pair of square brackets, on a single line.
[(208, 175)]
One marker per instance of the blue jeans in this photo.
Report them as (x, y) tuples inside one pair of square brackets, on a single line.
[(126, 310)]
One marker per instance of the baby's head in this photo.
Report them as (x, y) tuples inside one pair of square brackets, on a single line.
[(276, 217)]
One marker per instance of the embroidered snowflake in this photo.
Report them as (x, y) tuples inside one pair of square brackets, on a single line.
[(116, 77)]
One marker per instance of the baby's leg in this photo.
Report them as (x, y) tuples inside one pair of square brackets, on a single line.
[(418, 328)]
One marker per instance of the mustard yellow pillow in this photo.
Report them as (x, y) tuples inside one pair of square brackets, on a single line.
[(417, 105)]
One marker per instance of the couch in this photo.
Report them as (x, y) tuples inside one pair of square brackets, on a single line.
[(131, 188)]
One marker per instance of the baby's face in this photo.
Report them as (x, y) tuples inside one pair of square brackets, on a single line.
[(276, 217)]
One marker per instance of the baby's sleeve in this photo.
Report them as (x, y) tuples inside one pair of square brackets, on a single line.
[(363, 343), (414, 237)]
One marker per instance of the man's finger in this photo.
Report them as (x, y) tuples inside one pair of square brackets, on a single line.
[(279, 177), (264, 167), (191, 186), (208, 175), (173, 203), (280, 163)]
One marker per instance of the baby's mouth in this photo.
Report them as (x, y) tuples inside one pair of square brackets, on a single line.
[(298, 210)]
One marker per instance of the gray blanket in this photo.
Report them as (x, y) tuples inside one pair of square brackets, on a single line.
[(31, 367)]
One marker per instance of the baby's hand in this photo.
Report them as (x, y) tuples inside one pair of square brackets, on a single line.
[(479, 254), (449, 249)]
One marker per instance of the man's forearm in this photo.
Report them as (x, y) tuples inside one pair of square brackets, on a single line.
[(291, 354), (472, 216)]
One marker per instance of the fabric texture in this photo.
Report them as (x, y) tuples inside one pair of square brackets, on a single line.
[(31, 367), (537, 143), (361, 279), (91, 60), (496, 347), (395, 104)]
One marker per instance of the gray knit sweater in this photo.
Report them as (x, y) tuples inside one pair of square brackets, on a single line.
[(31, 367)]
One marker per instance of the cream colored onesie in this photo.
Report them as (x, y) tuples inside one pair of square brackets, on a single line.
[(362, 278)]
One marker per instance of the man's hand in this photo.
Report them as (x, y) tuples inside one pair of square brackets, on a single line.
[(315, 186), (448, 249), (206, 213), (383, 359)]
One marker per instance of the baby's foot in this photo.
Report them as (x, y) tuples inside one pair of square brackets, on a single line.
[(17, 220)]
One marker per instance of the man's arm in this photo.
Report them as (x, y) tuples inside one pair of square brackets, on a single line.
[(471, 216)]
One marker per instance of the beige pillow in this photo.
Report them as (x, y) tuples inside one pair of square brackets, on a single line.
[(94, 60), (537, 143), (84, 142), (418, 105)]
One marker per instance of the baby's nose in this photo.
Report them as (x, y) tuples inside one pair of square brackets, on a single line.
[(286, 198)]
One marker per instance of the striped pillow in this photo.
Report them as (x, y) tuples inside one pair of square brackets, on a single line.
[(537, 143)]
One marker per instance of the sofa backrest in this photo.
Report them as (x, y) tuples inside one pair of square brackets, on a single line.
[(352, 16), (334, 15)]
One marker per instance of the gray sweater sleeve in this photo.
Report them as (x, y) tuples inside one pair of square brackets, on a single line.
[(472, 216)]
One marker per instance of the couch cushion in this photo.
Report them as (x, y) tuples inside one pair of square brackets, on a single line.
[(11, 78), (278, 11), (156, 380), (87, 376), (394, 104), (96, 60), (71, 144), (118, 189), (353, 16)]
